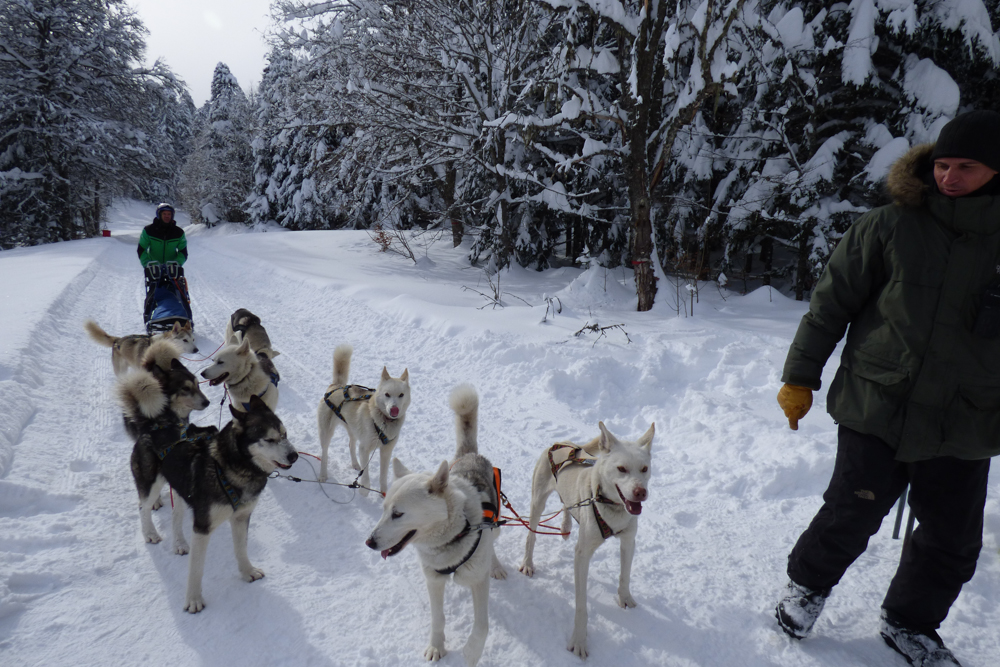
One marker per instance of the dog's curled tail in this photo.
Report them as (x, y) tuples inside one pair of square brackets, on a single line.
[(161, 353), (342, 364), (99, 335), (140, 395), (464, 402)]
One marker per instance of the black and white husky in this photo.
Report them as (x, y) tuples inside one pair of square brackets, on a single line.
[(373, 417), (156, 401), (220, 475), (448, 516)]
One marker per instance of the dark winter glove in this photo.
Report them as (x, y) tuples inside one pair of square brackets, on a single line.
[(795, 401)]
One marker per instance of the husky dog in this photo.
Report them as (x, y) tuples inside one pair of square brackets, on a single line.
[(244, 325), (602, 485), (156, 401), (128, 350), (220, 475), (449, 517), (373, 417), (240, 369)]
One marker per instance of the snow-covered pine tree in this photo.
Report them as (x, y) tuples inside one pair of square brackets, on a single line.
[(834, 95), (217, 176), (663, 61), (72, 129)]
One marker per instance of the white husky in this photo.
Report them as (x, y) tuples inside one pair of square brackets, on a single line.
[(602, 485), (373, 417), (239, 368), (448, 517)]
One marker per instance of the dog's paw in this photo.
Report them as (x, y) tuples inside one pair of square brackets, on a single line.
[(194, 604), (433, 653), (625, 600), (181, 548), (157, 504), (528, 569), (252, 574), (322, 477), (152, 538), (498, 572), (578, 647)]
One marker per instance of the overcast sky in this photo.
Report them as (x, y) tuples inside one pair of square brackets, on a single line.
[(195, 35)]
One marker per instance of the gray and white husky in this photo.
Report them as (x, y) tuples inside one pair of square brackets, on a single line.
[(127, 351), (241, 370), (157, 401), (447, 516), (602, 485), (373, 417)]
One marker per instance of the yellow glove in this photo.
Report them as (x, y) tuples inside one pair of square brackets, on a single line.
[(795, 401)]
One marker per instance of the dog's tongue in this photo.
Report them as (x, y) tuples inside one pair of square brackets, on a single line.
[(394, 412), (385, 553), (633, 507)]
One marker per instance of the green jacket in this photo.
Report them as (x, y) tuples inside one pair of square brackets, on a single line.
[(162, 242), (906, 283)]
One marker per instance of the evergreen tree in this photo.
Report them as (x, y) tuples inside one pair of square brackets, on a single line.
[(73, 129), (217, 175)]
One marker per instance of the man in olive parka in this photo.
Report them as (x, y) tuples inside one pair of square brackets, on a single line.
[(916, 287)]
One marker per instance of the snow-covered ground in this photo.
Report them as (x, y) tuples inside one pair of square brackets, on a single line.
[(732, 486)]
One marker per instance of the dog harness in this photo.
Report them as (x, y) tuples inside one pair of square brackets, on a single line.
[(231, 492), (491, 519), (564, 454), (349, 399), (162, 454), (273, 381)]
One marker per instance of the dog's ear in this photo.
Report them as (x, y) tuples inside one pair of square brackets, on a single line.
[(233, 340), (385, 373), (405, 377), (176, 365), (274, 353), (238, 415), (244, 347), (176, 329), (398, 469), (187, 326), (607, 441), (257, 404), (645, 441), (439, 482)]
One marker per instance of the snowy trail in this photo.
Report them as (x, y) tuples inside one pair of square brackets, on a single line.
[(732, 486)]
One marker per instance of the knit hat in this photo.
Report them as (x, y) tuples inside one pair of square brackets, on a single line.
[(974, 135)]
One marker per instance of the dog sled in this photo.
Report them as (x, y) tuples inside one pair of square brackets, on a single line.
[(167, 299)]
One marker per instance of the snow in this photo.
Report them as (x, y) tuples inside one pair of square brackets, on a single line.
[(861, 42), (732, 486), (931, 87)]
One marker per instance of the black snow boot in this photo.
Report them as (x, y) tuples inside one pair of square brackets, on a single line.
[(922, 648), (798, 610)]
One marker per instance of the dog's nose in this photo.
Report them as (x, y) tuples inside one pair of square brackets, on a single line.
[(370, 543), (639, 494), (293, 457), (195, 351)]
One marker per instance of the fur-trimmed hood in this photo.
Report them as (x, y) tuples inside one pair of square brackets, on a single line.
[(906, 181)]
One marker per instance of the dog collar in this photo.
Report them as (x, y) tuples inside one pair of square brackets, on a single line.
[(465, 531)]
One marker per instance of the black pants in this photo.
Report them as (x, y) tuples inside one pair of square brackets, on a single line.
[(947, 497)]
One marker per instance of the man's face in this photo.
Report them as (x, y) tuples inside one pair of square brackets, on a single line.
[(959, 176), (167, 215)]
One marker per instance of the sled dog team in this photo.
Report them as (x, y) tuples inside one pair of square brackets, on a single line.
[(450, 515)]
